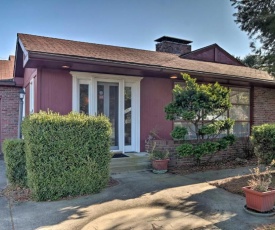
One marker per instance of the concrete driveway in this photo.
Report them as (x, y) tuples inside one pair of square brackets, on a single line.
[(142, 200)]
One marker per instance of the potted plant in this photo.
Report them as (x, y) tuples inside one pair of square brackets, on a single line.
[(259, 196), (160, 159)]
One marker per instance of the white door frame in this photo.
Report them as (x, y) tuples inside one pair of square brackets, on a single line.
[(134, 82)]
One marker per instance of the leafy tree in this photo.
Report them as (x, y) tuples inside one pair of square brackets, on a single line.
[(257, 18), (254, 61), (204, 107)]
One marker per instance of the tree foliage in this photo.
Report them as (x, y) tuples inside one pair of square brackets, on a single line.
[(257, 18), (253, 61), (203, 106)]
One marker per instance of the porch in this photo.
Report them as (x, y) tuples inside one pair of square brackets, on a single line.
[(134, 162)]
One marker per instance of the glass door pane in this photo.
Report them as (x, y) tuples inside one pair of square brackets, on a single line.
[(113, 113), (100, 99), (84, 98), (128, 115), (107, 104)]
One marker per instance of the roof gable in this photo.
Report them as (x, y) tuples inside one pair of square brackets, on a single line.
[(212, 53)]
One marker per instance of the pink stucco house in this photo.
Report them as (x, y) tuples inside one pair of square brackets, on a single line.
[(132, 86)]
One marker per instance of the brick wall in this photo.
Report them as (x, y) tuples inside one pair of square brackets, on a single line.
[(236, 150), (9, 108), (172, 47), (263, 106)]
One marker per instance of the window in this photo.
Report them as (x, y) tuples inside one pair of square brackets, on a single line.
[(240, 112), (31, 96)]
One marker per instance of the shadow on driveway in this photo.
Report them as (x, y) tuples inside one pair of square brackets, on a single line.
[(143, 200)]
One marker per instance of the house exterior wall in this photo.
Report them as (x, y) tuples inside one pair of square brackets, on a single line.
[(56, 95), (155, 94), (263, 110), (263, 105), (54, 91), (28, 74), (9, 109)]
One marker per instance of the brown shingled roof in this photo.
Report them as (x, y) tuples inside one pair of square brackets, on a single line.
[(48, 45), (6, 68)]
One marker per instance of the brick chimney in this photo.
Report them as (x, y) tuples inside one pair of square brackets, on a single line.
[(173, 45)]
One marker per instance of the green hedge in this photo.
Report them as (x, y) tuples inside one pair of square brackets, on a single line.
[(66, 155), (263, 138), (15, 160)]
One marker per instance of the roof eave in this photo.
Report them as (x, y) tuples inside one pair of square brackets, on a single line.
[(7, 83), (66, 58)]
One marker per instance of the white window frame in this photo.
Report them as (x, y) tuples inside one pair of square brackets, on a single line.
[(24, 105), (31, 86), (134, 82)]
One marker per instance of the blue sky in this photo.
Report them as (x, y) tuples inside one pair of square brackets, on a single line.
[(128, 23)]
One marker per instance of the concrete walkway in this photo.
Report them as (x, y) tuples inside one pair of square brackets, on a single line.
[(142, 200)]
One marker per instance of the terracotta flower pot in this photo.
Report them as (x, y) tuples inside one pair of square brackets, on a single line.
[(160, 166), (259, 201)]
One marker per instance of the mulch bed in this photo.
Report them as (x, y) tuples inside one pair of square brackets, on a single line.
[(266, 227), (235, 184), (19, 194)]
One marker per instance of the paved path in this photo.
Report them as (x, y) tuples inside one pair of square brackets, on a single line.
[(142, 200)]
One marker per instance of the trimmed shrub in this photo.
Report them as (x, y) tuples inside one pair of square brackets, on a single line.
[(263, 138), (66, 155), (14, 156), (203, 106)]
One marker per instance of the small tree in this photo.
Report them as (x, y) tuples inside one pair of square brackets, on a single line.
[(203, 106), (257, 19)]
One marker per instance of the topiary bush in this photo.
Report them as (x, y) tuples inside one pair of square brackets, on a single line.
[(66, 155), (263, 139), (203, 106), (14, 156)]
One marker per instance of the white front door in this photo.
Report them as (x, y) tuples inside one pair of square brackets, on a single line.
[(115, 96)]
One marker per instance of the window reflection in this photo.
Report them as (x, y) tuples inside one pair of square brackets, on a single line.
[(84, 98)]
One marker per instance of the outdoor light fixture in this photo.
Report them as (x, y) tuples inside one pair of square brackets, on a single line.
[(21, 93), (66, 67), (173, 77)]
